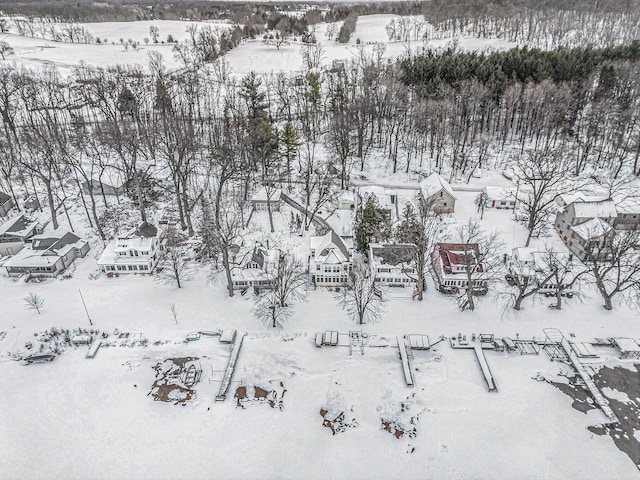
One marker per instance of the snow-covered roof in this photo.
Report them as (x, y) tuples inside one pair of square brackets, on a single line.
[(110, 176), (601, 209), (261, 195), (18, 226), (330, 245), (392, 253), (569, 198), (433, 184), (145, 229), (499, 193), (592, 228), (524, 254), (628, 205), (32, 256), (346, 195), (4, 197), (383, 194)]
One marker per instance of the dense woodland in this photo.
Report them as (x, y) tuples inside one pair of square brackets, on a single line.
[(202, 140)]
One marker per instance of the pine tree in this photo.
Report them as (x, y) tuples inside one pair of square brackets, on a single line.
[(290, 141), (372, 224)]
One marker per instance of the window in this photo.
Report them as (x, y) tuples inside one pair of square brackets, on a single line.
[(132, 267), (317, 267), (122, 254)]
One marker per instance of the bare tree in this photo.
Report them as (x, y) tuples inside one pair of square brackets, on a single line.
[(5, 49), (541, 176), (289, 280), (361, 299), (33, 301), (175, 269), (614, 265), (269, 311), (482, 253)]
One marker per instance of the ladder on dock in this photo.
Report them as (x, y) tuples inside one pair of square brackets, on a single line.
[(558, 347), (405, 361), (602, 402), (231, 366), (484, 366)]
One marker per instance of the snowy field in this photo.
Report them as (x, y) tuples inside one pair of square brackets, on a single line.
[(252, 55), (81, 418)]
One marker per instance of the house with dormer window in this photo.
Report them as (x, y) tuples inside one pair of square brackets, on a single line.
[(451, 263), (136, 252), (48, 255), (330, 259)]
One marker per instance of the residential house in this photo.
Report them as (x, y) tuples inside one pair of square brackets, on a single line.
[(330, 259), (6, 204), (48, 255), (110, 181), (387, 198), (14, 233), (582, 223), (450, 263), (500, 198), (537, 265), (628, 214), (259, 200), (393, 265), (136, 252), (259, 271), (437, 194)]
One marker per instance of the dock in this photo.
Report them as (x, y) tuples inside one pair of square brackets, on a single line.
[(231, 366), (555, 338), (484, 366), (405, 361), (93, 349)]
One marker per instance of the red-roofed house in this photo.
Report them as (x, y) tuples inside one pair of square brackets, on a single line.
[(452, 261)]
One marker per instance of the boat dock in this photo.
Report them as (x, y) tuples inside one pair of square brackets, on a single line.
[(231, 366), (405, 361)]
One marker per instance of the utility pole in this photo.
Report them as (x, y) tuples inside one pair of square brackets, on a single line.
[(85, 307)]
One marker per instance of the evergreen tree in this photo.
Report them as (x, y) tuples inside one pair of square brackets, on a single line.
[(372, 224), (290, 141)]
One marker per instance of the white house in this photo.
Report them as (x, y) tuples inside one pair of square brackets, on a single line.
[(330, 259), (48, 255), (259, 271), (14, 233), (537, 265), (393, 264), (437, 194), (137, 252), (499, 197)]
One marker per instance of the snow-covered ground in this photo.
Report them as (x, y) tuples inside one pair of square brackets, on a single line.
[(80, 418), (251, 55)]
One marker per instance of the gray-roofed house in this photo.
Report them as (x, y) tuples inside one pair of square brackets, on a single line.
[(330, 259), (393, 264), (437, 194), (581, 223), (6, 204), (48, 255), (14, 233)]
